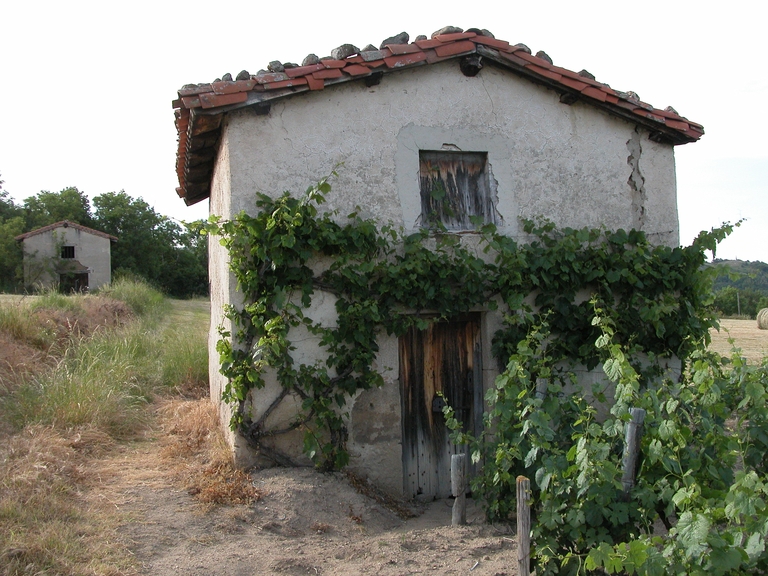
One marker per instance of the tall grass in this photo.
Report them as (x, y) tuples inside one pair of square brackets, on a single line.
[(138, 294), (103, 380), (52, 298), (100, 390), (106, 380), (17, 322)]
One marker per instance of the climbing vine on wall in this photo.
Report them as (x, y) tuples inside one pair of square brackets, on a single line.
[(386, 281)]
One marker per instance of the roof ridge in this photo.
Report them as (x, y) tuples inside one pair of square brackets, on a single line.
[(64, 224), (199, 107)]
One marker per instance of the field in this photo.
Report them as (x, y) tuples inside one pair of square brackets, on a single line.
[(745, 334)]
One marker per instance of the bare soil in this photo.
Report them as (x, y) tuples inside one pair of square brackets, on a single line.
[(304, 523)]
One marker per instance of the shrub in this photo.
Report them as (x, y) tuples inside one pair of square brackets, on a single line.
[(703, 472)]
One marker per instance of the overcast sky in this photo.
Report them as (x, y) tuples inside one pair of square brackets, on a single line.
[(87, 86)]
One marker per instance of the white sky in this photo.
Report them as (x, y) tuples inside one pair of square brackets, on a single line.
[(86, 87)]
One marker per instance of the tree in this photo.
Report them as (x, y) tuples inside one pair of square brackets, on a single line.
[(11, 225), (49, 207), (152, 245)]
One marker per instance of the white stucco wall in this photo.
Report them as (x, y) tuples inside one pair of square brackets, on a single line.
[(575, 165), (42, 252)]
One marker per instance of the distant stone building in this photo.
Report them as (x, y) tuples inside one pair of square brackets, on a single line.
[(67, 254), (519, 137)]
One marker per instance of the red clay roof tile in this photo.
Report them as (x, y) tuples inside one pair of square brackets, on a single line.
[(491, 42), (397, 49), (328, 73), (544, 72), (455, 48), (213, 100), (191, 102), (404, 59), (593, 92), (286, 83), (427, 44), (455, 36), (512, 57), (232, 87), (315, 83), (575, 84), (333, 63), (357, 70), (271, 77), (303, 70)]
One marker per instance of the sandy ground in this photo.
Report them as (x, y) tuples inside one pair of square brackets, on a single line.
[(305, 523)]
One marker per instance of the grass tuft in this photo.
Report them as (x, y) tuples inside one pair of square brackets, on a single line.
[(51, 298), (138, 294)]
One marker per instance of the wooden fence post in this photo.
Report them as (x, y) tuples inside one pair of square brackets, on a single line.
[(459, 489), (523, 526), (632, 435)]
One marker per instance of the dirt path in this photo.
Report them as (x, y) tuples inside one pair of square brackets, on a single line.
[(305, 523)]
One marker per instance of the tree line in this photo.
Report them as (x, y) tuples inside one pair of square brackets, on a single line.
[(171, 256), (741, 288)]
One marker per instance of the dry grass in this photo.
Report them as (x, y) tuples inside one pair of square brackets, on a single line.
[(195, 445), (745, 334), (62, 481), (44, 526)]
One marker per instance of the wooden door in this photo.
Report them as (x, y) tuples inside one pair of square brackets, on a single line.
[(442, 358)]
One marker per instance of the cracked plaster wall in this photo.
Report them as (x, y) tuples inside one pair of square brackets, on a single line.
[(572, 164)]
